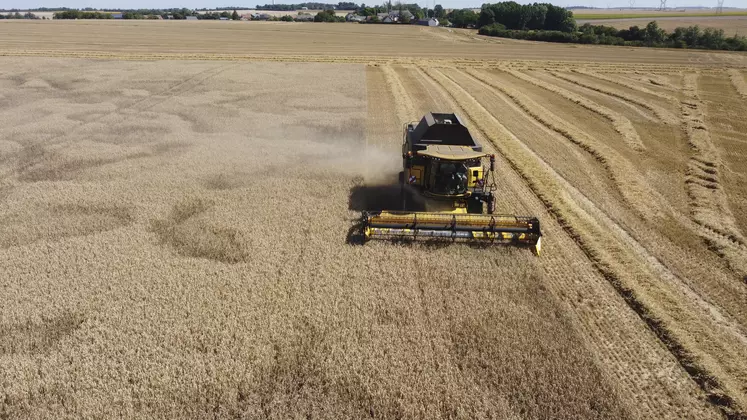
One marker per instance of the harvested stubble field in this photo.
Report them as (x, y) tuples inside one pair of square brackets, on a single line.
[(174, 233)]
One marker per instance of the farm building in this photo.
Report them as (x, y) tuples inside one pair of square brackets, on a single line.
[(393, 16), (191, 17), (116, 16), (352, 17), (405, 14), (428, 22)]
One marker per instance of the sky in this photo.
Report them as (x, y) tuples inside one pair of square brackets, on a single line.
[(193, 4)]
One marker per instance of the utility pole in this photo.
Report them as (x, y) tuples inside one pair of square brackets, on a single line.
[(663, 4), (632, 4), (720, 7)]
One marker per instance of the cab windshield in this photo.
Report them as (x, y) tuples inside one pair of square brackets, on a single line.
[(450, 178)]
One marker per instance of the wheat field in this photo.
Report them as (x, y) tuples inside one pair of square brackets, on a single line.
[(175, 227)]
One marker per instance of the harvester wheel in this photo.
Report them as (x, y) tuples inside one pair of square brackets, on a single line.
[(491, 203), (474, 206), (402, 191)]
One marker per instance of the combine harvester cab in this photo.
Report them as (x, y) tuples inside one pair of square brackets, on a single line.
[(444, 166)]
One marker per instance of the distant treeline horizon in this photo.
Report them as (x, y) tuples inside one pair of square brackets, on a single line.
[(321, 6)]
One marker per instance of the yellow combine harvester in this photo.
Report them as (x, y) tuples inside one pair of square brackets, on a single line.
[(444, 166)]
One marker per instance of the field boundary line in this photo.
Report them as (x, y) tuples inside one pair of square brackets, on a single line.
[(648, 68), (621, 123), (627, 260), (362, 59)]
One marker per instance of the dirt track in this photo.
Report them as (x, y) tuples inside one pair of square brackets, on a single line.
[(175, 234)]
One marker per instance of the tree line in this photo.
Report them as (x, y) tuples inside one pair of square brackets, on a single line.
[(17, 15), (38, 9), (310, 6), (537, 16), (650, 36), (181, 13), (79, 14)]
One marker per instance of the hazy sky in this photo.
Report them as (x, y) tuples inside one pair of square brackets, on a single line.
[(135, 4)]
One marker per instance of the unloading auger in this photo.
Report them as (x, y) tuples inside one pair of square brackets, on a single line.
[(443, 164)]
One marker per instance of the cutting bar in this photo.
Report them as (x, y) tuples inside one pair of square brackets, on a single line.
[(490, 228)]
